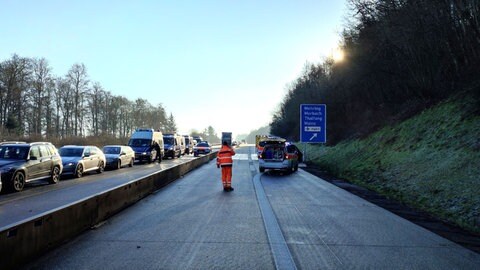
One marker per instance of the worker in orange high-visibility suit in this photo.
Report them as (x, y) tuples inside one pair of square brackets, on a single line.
[(224, 160)]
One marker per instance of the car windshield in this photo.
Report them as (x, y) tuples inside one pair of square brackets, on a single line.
[(71, 152), (139, 142), (203, 145), (13, 152), (111, 150), (168, 140)]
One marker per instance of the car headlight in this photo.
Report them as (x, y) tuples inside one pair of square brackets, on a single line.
[(171, 148), (144, 153), (70, 164)]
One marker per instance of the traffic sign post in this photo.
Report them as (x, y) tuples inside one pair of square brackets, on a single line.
[(313, 124)]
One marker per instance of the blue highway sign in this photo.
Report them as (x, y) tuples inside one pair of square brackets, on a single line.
[(313, 123)]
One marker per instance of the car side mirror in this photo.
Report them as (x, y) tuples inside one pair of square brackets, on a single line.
[(33, 158), (86, 155), (123, 154)]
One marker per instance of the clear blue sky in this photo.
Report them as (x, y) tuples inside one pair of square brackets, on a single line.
[(219, 63)]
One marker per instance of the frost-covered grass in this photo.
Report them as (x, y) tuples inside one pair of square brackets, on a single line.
[(430, 162)]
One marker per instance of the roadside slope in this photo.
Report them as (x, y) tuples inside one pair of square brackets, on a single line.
[(430, 161)]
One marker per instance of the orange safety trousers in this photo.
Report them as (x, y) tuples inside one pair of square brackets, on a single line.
[(227, 176)]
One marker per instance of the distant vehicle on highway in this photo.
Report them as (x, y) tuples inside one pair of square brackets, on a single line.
[(197, 138), (227, 137), (146, 142), (202, 148), (79, 159), (172, 145), (279, 156), (182, 145), (189, 142), (24, 162), (118, 156)]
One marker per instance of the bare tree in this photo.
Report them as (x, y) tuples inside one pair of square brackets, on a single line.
[(78, 79), (95, 102), (39, 93), (14, 78)]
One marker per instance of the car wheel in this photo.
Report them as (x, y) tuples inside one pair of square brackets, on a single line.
[(261, 169), (79, 171), (55, 175), (296, 168), (131, 163), (18, 181), (119, 164), (101, 168)]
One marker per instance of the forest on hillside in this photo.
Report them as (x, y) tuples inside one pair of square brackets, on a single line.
[(401, 56), (34, 102)]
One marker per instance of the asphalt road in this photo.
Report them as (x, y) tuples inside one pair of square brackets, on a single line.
[(39, 196), (193, 224)]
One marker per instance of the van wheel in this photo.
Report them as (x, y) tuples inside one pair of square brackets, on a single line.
[(131, 163), (55, 175), (261, 169), (119, 164), (295, 168), (18, 181)]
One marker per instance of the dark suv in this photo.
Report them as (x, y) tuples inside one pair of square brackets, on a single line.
[(25, 162)]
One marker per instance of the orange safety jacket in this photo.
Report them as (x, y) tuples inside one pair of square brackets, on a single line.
[(224, 156)]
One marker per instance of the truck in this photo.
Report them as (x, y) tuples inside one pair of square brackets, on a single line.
[(227, 137), (146, 142)]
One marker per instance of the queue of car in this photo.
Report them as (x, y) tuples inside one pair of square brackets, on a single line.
[(22, 162)]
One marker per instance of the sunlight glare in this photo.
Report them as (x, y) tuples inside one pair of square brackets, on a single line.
[(338, 55)]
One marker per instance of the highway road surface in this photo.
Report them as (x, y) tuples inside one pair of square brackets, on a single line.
[(270, 221)]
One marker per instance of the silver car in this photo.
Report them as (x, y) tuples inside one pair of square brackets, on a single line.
[(118, 156), (280, 156), (78, 160)]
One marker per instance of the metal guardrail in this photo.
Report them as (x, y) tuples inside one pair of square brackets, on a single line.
[(25, 240)]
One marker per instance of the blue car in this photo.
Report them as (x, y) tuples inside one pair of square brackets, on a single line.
[(78, 160)]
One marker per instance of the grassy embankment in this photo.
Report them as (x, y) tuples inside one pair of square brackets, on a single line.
[(430, 161)]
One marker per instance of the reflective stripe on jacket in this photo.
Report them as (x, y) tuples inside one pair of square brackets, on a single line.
[(224, 156)]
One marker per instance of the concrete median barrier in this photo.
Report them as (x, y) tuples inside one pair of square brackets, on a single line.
[(23, 241)]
